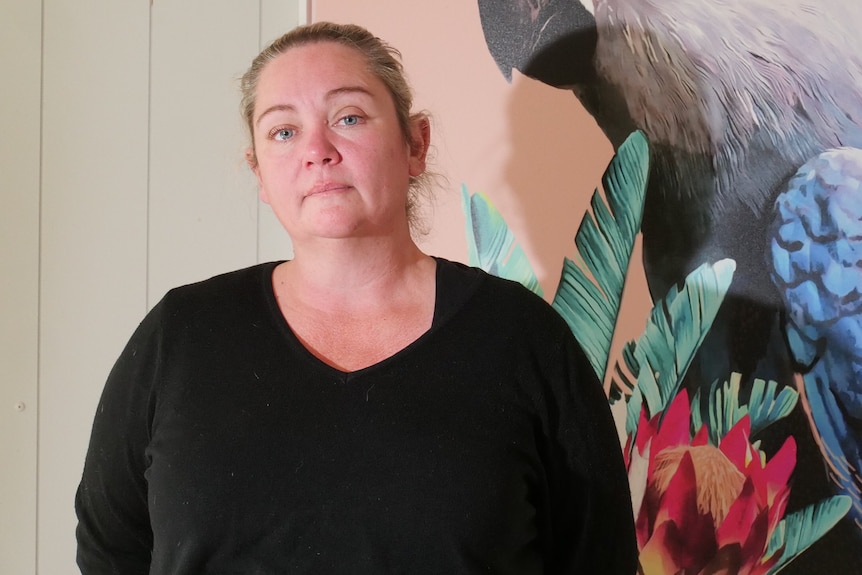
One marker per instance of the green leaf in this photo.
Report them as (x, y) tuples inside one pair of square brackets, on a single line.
[(589, 299), (624, 381), (765, 408), (723, 409), (491, 244), (674, 331), (798, 531)]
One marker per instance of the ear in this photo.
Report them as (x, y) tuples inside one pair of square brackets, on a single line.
[(420, 134), (251, 160)]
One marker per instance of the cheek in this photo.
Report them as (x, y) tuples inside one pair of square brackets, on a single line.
[(271, 167), (265, 180), (262, 194), (278, 183)]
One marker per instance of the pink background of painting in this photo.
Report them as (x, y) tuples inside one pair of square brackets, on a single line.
[(530, 148)]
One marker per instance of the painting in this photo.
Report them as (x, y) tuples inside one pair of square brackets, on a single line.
[(700, 159), (737, 127)]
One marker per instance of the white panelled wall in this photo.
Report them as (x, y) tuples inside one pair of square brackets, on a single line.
[(121, 175)]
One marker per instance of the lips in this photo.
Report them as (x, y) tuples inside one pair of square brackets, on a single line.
[(327, 187)]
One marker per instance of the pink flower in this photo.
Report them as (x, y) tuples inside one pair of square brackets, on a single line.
[(702, 509)]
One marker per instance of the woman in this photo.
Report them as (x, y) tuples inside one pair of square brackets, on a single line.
[(363, 407)]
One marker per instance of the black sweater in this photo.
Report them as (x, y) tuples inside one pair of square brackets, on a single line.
[(221, 445)]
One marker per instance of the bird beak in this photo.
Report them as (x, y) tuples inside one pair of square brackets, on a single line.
[(554, 44)]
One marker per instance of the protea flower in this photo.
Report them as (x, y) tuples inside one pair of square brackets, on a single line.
[(702, 508)]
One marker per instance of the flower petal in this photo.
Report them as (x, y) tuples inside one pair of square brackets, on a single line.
[(646, 430), (675, 426), (736, 445), (755, 544), (658, 557), (638, 477), (701, 437), (737, 523), (692, 537), (779, 468)]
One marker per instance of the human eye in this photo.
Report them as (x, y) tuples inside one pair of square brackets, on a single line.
[(282, 134), (350, 120)]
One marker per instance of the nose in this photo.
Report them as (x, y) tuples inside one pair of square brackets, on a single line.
[(320, 148)]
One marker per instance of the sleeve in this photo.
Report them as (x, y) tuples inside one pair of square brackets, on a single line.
[(113, 532), (591, 508)]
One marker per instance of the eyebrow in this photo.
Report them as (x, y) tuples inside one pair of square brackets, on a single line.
[(329, 96)]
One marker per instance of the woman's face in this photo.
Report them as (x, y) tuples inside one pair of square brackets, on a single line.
[(331, 158)]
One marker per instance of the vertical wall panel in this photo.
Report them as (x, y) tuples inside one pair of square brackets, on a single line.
[(203, 205), (93, 257), (277, 17), (143, 187), (20, 61)]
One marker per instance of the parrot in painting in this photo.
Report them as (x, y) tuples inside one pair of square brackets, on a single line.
[(816, 252), (753, 111)]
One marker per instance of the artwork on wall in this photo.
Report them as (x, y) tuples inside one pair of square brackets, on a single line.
[(740, 122), (733, 130)]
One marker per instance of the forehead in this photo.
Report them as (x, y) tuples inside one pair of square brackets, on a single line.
[(315, 69)]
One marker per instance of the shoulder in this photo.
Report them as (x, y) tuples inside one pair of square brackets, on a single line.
[(226, 287), (226, 297), (475, 279), (500, 302), (225, 284)]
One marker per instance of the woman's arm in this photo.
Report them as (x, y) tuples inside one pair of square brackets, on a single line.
[(114, 534), (592, 507)]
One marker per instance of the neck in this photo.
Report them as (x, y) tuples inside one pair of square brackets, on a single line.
[(352, 274)]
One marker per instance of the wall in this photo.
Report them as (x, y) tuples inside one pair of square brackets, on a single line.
[(121, 175)]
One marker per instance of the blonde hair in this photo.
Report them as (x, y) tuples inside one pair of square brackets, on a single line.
[(384, 61)]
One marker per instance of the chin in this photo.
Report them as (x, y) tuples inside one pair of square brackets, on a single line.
[(336, 228)]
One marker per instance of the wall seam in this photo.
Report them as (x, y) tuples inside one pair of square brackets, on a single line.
[(149, 156), (257, 257), (38, 373)]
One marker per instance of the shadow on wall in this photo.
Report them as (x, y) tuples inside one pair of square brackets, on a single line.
[(557, 157)]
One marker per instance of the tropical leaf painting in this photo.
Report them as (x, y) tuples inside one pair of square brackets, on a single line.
[(674, 331), (799, 530), (491, 244), (589, 299), (765, 406), (756, 155)]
